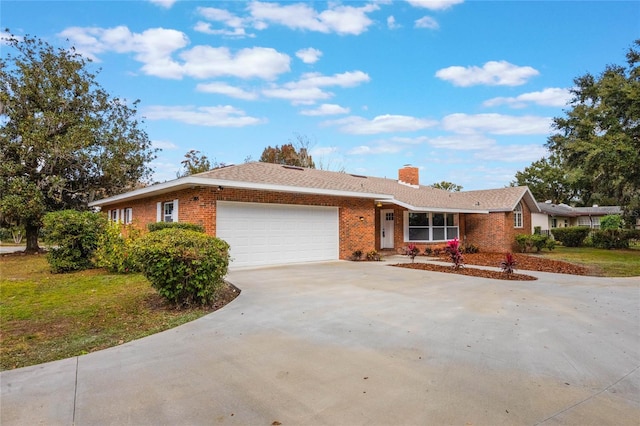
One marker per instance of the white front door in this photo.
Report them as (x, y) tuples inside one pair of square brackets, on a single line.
[(387, 223)]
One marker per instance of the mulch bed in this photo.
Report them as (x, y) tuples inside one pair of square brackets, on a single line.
[(474, 272), (525, 262)]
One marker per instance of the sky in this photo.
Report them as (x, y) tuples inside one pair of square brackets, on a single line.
[(464, 90)]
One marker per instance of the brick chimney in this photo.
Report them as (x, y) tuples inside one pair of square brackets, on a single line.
[(409, 175)]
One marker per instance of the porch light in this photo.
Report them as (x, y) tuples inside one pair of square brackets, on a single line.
[(379, 204), (361, 218)]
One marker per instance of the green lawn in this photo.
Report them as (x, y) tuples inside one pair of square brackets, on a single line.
[(45, 317), (610, 263)]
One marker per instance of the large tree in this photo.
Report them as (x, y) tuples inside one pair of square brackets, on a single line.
[(64, 140), (599, 138), (547, 180), (194, 162)]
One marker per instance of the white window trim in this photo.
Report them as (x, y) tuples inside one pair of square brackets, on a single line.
[(456, 226), (127, 216), (160, 211), (518, 219)]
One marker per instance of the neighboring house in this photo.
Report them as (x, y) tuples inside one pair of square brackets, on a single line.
[(275, 214), (561, 215)]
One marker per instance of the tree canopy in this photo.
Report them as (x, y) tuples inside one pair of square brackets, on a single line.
[(194, 162), (64, 140), (597, 143), (547, 180), (294, 153), (447, 186)]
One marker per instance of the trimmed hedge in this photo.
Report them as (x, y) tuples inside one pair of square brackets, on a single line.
[(75, 235), (114, 249), (157, 226), (614, 238), (527, 242), (185, 266), (572, 236)]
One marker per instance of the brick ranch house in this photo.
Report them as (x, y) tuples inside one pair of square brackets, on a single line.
[(274, 214)]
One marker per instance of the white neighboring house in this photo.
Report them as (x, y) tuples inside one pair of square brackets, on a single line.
[(562, 215)]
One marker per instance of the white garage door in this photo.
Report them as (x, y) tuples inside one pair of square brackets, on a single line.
[(272, 234)]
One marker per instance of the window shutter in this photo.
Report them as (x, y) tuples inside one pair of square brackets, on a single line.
[(175, 210), (158, 212)]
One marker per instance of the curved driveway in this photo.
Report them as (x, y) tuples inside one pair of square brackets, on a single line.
[(347, 343)]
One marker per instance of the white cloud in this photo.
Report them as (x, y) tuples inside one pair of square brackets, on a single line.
[(497, 124), (553, 96), (380, 124), (434, 4), (236, 23), (387, 146), (391, 23), (308, 89), (427, 22), (462, 142), (166, 145), (154, 49), (324, 150), (260, 62), (493, 73), (215, 116), (164, 170), (299, 16), (326, 109), (163, 3), (226, 89), (511, 153), (309, 55)]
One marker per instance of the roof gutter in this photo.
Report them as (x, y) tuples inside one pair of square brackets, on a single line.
[(190, 182)]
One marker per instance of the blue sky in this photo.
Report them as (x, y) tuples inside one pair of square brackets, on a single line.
[(464, 90)]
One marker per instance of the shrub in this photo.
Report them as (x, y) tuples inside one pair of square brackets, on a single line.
[(471, 249), (611, 221), (613, 238), (356, 255), (453, 248), (184, 266), (75, 237), (508, 265), (572, 236), (114, 249), (157, 226), (412, 251), (373, 255), (527, 242), (428, 251)]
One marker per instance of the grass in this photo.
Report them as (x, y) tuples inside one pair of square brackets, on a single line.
[(45, 316), (609, 263)]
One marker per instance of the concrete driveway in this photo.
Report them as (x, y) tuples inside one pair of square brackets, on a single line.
[(346, 343)]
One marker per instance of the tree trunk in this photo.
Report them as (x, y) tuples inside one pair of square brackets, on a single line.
[(31, 232)]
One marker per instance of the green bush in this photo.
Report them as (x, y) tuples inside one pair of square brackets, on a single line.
[(157, 226), (186, 267), (611, 221), (613, 238), (114, 249), (527, 242), (572, 236), (74, 236)]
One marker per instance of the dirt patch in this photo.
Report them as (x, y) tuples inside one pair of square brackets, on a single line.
[(474, 272), (524, 262)]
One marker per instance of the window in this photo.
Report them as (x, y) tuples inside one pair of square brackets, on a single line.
[(426, 226), (389, 216), (554, 222), (167, 209), (113, 215), (127, 216), (517, 216)]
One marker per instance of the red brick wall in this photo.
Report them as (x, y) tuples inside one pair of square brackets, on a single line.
[(494, 232), (199, 206)]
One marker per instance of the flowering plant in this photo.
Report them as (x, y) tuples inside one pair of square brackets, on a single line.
[(453, 248), (412, 251), (508, 264)]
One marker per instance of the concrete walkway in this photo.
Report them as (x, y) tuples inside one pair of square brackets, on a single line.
[(347, 343)]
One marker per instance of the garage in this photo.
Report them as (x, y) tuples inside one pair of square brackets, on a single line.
[(274, 234)]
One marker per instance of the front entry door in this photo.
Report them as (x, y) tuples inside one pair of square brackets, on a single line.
[(387, 224)]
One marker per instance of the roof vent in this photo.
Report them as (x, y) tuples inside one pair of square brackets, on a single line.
[(358, 176), (292, 167)]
